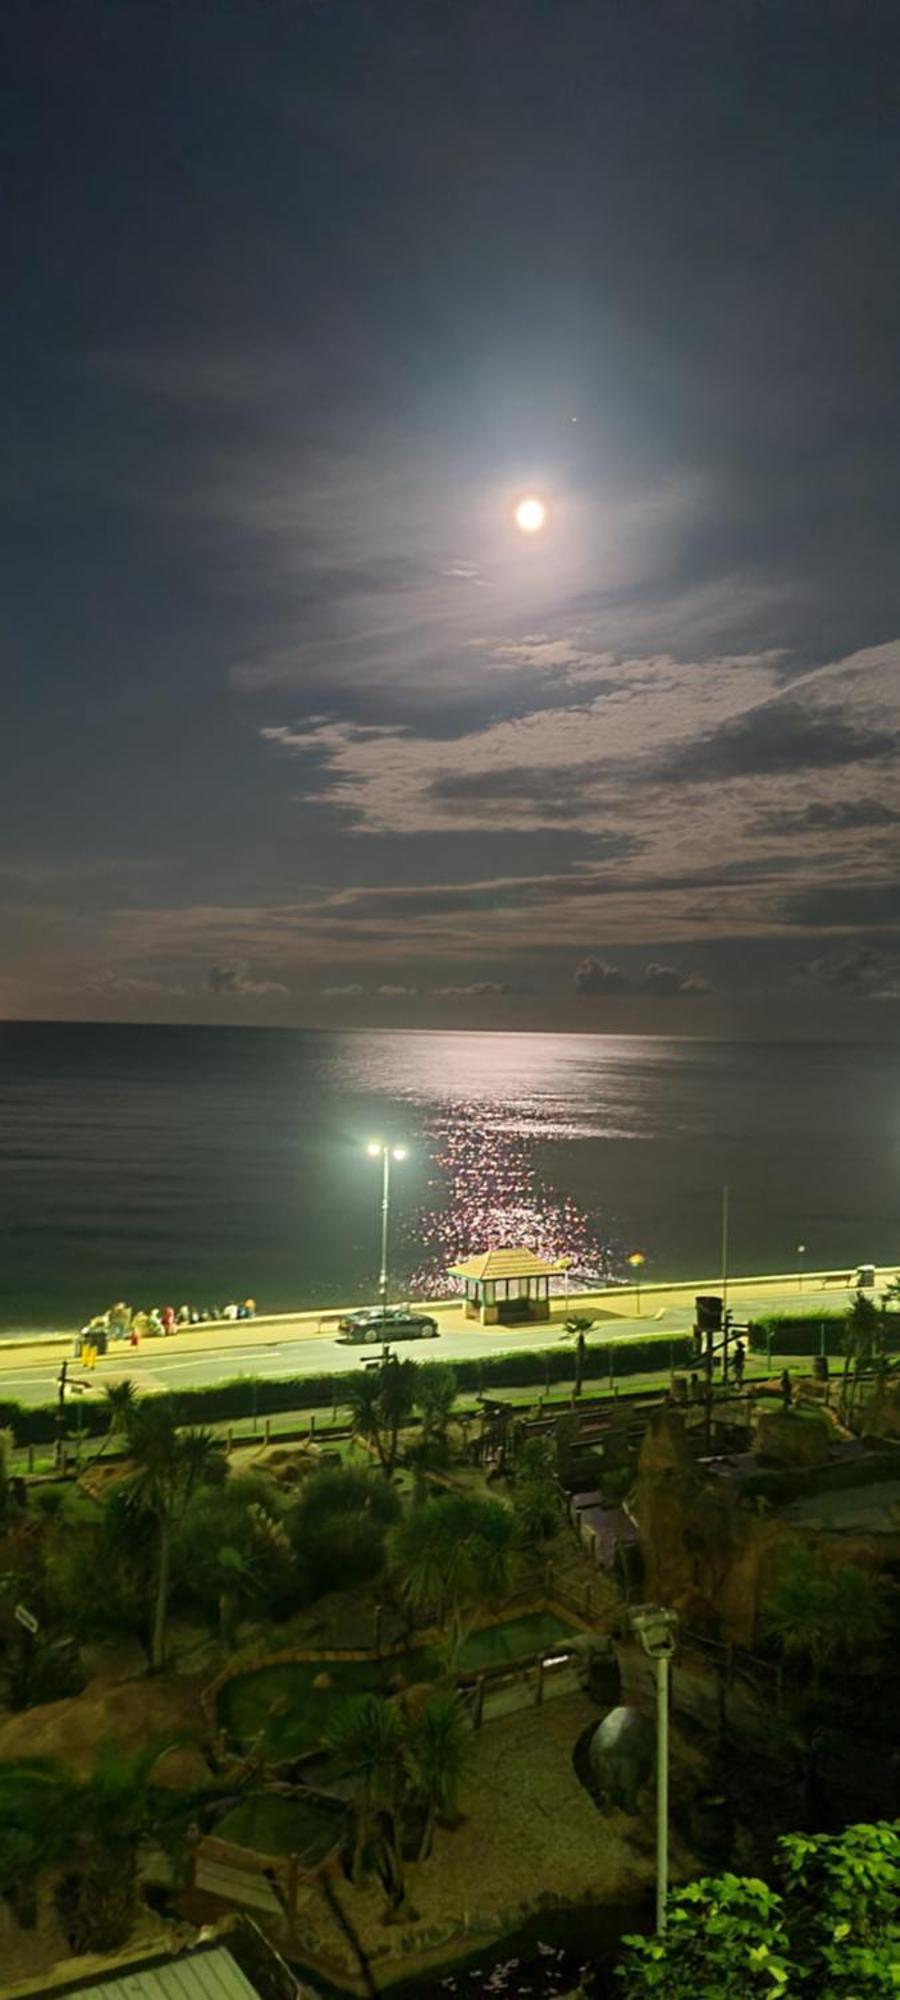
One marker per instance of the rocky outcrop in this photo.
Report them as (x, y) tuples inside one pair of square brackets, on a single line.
[(711, 1550), (794, 1437), (166, 1711)]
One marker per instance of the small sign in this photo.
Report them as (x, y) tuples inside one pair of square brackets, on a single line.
[(26, 1618)]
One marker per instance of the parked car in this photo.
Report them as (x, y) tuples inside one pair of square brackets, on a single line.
[(373, 1323)]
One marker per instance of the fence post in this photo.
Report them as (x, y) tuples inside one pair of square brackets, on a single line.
[(312, 1423), (31, 1458), (267, 1430)]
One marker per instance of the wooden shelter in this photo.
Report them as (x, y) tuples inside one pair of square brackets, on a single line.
[(502, 1287)]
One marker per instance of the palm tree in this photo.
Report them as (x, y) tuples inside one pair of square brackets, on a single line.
[(380, 1401), (435, 1395), (169, 1466), (115, 1813), (859, 1612), (367, 1734), (36, 1825), (862, 1325), (453, 1552), (800, 1615), (438, 1748), (97, 1826), (120, 1398), (230, 1548)]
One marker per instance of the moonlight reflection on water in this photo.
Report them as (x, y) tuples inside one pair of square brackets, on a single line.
[(493, 1198)]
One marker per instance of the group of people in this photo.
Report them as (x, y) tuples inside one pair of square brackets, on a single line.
[(119, 1322)]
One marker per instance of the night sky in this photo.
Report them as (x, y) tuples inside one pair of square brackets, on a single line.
[(300, 299)]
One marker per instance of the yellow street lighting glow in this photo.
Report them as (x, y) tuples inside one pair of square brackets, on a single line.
[(400, 1152), (530, 515), (374, 1147)]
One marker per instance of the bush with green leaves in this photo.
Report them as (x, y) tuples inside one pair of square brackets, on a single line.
[(338, 1528), (231, 1555), (826, 1618), (830, 1930), (536, 1496), (262, 1396), (451, 1556)]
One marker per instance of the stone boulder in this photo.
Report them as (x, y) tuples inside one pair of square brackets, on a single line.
[(183, 1768), (792, 1438), (621, 1756), (881, 1414)]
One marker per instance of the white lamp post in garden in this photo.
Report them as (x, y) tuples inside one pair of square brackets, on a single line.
[(386, 1154), (656, 1628)]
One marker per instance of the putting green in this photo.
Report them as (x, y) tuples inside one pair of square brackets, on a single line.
[(246, 1703), (282, 1704), (514, 1640)]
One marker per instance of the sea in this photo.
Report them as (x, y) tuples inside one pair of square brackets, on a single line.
[(184, 1165)]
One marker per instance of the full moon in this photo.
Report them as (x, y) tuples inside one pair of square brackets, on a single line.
[(530, 516)]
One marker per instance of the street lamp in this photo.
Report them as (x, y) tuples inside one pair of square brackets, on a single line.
[(656, 1628), (801, 1253), (378, 1151), (637, 1261)]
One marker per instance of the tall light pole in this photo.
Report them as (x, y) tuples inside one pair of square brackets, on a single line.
[(801, 1253), (386, 1154), (656, 1628)]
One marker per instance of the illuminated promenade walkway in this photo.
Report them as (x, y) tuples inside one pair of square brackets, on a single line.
[(303, 1343)]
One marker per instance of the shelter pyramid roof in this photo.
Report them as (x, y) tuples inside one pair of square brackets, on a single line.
[(508, 1264)]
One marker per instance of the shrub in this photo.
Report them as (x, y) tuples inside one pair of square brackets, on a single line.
[(338, 1527), (808, 1332), (266, 1396)]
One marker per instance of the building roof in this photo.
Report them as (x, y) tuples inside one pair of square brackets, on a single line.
[(194, 1975), (508, 1264)]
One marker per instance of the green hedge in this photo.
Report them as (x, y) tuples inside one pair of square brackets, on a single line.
[(262, 1396), (801, 1333)]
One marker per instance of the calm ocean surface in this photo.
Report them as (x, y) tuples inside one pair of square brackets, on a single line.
[(168, 1164)]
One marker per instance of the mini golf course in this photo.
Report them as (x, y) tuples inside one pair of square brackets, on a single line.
[(289, 1704)]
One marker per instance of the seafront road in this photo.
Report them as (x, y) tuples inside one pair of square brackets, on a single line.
[(297, 1344)]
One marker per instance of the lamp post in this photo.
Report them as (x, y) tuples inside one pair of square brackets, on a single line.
[(801, 1253), (637, 1261), (377, 1150), (656, 1628)]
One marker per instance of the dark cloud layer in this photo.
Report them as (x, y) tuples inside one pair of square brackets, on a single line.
[(777, 740)]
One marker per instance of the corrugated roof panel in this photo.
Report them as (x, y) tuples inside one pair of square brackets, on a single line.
[(199, 1975)]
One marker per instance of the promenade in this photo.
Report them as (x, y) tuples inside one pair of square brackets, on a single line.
[(304, 1343)]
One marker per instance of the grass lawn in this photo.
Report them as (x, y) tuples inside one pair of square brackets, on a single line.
[(512, 1640), (275, 1825)]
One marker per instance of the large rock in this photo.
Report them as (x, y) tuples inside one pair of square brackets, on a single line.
[(134, 1714), (881, 1414), (621, 1754), (790, 1438)]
